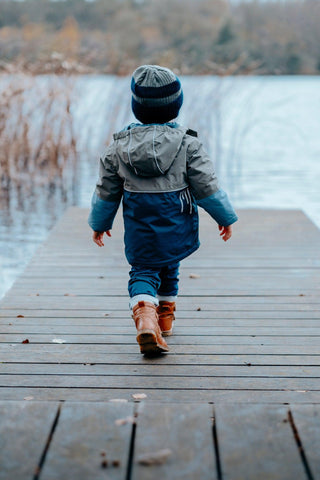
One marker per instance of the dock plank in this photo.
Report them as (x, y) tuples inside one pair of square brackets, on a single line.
[(184, 430), (24, 430), (257, 442), (90, 442), (102, 352), (182, 315), (183, 395), (164, 383), (92, 356), (128, 367), (208, 302), (12, 324), (307, 421), (127, 339), (179, 329)]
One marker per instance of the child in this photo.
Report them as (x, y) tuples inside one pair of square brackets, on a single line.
[(161, 172)]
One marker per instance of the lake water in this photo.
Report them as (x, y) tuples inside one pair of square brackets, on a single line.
[(263, 134)]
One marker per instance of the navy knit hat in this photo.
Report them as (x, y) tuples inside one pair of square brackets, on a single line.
[(156, 94)]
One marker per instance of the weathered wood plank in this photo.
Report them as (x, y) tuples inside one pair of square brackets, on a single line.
[(179, 329), (187, 300), (209, 276), (186, 431), (130, 338), (208, 303), (183, 323), (164, 396), (202, 354), (299, 288), (307, 421), (88, 263), (87, 436), (182, 327), (162, 369), (87, 249), (24, 430), (58, 317), (90, 316), (257, 442), (91, 350), (161, 382), (77, 357)]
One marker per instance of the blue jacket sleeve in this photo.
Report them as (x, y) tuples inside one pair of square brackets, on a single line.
[(102, 213), (219, 207), (107, 196)]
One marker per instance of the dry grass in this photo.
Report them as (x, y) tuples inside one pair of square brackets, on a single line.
[(37, 140)]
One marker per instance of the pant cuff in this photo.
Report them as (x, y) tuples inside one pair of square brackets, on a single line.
[(142, 298), (167, 298)]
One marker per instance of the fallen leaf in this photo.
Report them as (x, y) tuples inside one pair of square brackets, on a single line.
[(155, 458), (58, 340), (20, 316), (28, 398), (194, 275), (25, 341), (104, 464), (124, 421), (139, 396), (198, 309), (116, 463)]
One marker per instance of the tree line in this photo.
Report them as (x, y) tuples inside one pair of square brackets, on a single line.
[(190, 36)]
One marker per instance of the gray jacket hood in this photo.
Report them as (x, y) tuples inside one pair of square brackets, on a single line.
[(149, 151)]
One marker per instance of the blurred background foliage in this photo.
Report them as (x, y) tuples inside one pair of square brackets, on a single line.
[(192, 36)]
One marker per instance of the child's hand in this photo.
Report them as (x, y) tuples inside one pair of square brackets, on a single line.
[(97, 237), (225, 232)]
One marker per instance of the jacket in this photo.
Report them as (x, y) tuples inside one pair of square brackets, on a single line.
[(161, 173)]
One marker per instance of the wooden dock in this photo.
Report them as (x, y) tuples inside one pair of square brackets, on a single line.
[(236, 398)]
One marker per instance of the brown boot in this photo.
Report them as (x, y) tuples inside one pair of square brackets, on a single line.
[(166, 317), (149, 334)]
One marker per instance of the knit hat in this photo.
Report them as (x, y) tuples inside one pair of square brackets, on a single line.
[(156, 94)]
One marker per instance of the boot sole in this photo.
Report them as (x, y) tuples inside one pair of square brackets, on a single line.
[(167, 333), (147, 340)]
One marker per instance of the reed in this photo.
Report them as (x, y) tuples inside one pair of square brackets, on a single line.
[(37, 140)]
